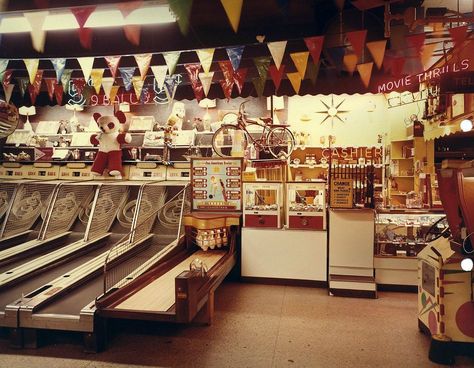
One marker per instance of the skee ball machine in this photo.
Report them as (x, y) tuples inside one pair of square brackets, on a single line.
[(445, 282)]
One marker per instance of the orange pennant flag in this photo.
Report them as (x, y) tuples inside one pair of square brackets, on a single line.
[(365, 71), (377, 50), (301, 60), (350, 62), (233, 9), (113, 94), (295, 79)]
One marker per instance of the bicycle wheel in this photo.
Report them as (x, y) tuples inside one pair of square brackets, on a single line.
[(280, 142), (229, 141)]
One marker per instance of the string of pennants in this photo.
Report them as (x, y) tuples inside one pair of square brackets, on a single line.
[(200, 74)]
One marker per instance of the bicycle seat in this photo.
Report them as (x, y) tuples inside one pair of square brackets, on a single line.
[(266, 121)]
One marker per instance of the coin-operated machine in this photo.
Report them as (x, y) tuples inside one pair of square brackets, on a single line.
[(445, 267)]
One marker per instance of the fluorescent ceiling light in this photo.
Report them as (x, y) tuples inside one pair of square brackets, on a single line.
[(58, 22), (14, 25), (151, 15), (105, 18)]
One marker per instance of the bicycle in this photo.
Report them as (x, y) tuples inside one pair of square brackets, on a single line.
[(232, 139)]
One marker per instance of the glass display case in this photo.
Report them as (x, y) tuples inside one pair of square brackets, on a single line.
[(306, 206), (404, 233), (263, 204)]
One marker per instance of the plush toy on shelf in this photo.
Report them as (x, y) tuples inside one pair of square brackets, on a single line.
[(109, 140), (174, 122)]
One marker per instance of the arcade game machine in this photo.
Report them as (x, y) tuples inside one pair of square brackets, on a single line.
[(445, 290), (182, 281)]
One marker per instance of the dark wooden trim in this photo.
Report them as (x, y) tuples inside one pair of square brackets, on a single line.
[(352, 278), (371, 294), (284, 282), (398, 288)]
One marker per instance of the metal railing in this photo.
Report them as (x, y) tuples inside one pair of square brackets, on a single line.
[(115, 275)]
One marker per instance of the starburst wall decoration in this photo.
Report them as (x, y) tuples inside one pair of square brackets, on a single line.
[(332, 111)]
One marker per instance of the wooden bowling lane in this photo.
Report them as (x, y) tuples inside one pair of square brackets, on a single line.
[(159, 295)]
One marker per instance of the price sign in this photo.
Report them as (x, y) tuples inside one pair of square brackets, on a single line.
[(342, 193)]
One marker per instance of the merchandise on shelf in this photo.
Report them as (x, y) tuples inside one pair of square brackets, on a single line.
[(306, 206), (263, 204)]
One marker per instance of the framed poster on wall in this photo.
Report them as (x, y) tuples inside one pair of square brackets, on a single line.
[(216, 184)]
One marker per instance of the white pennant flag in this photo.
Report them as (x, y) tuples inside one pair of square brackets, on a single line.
[(32, 67), (86, 64), (277, 49), (8, 91), (38, 36), (159, 71), (107, 84), (171, 59), (206, 80), (205, 58)]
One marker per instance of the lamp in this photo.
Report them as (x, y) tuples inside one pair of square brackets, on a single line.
[(466, 125), (27, 111), (275, 103), (206, 119)]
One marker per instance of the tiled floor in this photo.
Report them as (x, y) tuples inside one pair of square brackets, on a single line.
[(259, 326)]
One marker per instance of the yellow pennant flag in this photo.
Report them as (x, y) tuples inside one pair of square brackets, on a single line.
[(295, 79), (233, 9), (300, 59), (427, 54), (113, 94), (138, 86), (365, 71), (205, 58), (32, 67), (350, 62), (96, 77), (377, 50)]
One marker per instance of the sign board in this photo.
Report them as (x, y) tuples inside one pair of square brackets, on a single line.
[(216, 184), (342, 193), (462, 82)]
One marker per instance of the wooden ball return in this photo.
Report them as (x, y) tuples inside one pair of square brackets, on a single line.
[(445, 289), (182, 284)]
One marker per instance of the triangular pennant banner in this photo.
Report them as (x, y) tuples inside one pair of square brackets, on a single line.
[(350, 62), (276, 75), (132, 31), (22, 84), (159, 71), (96, 77), (226, 88), (127, 74), (357, 40), (193, 73), (86, 64), (228, 72), (127, 7), (138, 86), (3, 67), (365, 71), (416, 41), (7, 77), (36, 21), (206, 81), (233, 9), (37, 81), (262, 63), (87, 93), (58, 93), (85, 34), (143, 62), (427, 53), (8, 89), (295, 79), (33, 94), (458, 34), (377, 50), (112, 63), (79, 84), (32, 67), (239, 78), (59, 64), (314, 45), (51, 85), (312, 71), (235, 55), (65, 78), (171, 59), (301, 60), (277, 50), (107, 84), (113, 94), (205, 58), (259, 84), (182, 10), (171, 84)]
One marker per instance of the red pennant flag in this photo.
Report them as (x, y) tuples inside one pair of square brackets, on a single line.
[(58, 93), (228, 82), (7, 77), (314, 45), (51, 84), (276, 75), (416, 41), (33, 93), (397, 65), (227, 88), (193, 73), (37, 81), (112, 63), (85, 34), (132, 31), (357, 40), (128, 7), (239, 78), (79, 84), (458, 34)]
